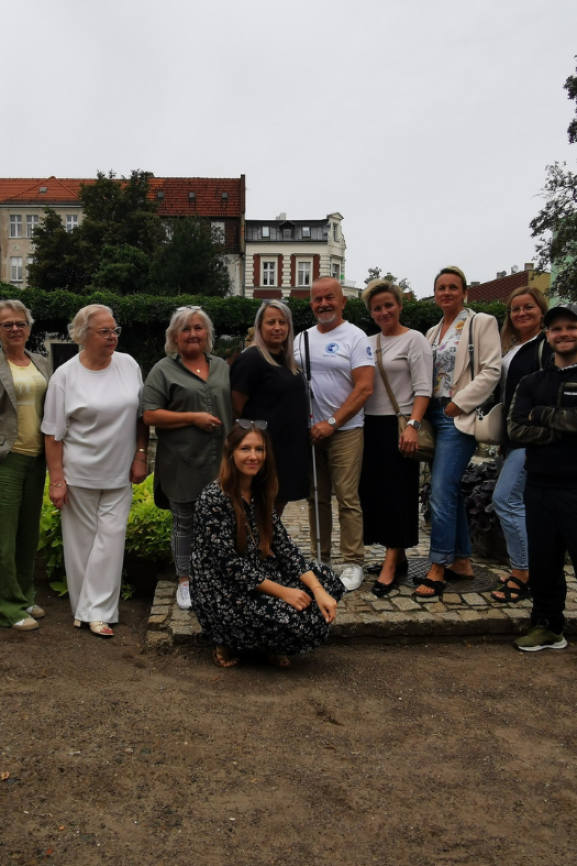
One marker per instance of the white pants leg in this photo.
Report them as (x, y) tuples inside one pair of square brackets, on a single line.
[(93, 534)]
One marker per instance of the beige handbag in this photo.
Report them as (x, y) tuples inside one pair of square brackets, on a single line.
[(426, 435)]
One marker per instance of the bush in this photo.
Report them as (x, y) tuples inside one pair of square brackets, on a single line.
[(147, 534)]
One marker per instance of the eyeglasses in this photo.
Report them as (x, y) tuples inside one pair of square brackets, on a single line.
[(106, 332), (182, 309), (245, 424), (7, 326), (527, 308)]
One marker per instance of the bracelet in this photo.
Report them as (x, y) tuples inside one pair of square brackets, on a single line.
[(57, 484), (140, 459)]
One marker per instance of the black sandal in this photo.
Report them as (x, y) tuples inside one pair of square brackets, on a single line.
[(438, 587), (379, 589), (523, 591)]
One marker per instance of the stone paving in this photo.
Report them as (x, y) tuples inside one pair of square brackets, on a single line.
[(363, 617)]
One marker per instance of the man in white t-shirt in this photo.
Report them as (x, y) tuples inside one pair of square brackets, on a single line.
[(342, 370)]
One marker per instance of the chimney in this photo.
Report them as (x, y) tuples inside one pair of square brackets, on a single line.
[(529, 266), (281, 217)]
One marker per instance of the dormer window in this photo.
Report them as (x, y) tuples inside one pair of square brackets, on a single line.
[(287, 234), (43, 189), (335, 231), (306, 231), (266, 232)]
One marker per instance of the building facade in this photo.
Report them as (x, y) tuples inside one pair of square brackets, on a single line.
[(284, 257), (220, 201)]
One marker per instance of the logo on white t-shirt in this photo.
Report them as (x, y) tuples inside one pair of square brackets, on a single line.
[(332, 348), (369, 352)]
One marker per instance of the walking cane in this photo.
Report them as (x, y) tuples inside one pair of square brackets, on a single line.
[(315, 483)]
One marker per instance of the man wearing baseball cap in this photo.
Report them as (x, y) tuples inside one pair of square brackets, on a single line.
[(543, 417)]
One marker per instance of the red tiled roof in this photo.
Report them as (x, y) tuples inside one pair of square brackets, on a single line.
[(208, 200), (498, 289)]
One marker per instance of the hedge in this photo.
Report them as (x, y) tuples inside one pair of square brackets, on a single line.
[(144, 318)]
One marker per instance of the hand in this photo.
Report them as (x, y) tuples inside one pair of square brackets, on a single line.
[(206, 421), (297, 598), (138, 471), (59, 496), (452, 410), (326, 603), (321, 431), (409, 441)]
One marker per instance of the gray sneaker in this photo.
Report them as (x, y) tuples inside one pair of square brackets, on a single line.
[(539, 638), (183, 596), (352, 576)]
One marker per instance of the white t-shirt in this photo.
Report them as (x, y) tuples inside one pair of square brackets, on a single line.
[(408, 362), (334, 356), (94, 414)]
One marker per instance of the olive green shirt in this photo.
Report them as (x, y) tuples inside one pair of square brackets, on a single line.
[(187, 459)]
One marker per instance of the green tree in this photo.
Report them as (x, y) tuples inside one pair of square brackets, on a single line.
[(124, 270), (555, 226), (375, 274), (191, 262), (57, 263)]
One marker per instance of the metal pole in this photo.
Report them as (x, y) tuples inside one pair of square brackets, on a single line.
[(314, 454)]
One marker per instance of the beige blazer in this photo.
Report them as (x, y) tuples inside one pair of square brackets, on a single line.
[(8, 404), (469, 393)]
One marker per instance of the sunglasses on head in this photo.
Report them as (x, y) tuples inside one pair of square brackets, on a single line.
[(182, 309), (245, 424)]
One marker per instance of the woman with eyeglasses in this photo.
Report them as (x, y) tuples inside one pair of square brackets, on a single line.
[(526, 351), (187, 399), (252, 590), (96, 444), (23, 381), (266, 383)]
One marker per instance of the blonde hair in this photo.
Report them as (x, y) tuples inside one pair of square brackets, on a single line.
[(79, 324), (18, 307), (509, 333), (377, 287), (287, 346), (179, 319)]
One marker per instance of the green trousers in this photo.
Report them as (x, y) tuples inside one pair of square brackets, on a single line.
[(21, 489)]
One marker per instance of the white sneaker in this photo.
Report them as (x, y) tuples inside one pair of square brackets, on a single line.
[(183, 596), (352, 576)]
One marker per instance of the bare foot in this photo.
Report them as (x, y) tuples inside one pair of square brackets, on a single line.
[(462, 567), (512, 589), (278, 661), (436, 575), (223, 657)]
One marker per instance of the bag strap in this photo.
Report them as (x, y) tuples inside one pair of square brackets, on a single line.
[(392, 397), (472, 346)]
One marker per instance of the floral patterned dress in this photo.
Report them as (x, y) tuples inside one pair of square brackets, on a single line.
[(223, 583)]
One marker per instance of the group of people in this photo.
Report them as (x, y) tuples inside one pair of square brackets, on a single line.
[(316, 416)]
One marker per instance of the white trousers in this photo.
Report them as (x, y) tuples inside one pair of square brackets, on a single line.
[(93, 535)]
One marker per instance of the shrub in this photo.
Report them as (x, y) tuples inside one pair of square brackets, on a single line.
[(147, 534)]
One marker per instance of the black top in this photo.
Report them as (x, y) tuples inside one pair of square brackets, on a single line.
[(550, 436), (279, 397), (530, 358)]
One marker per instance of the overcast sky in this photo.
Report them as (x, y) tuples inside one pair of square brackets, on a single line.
[(427, 123)]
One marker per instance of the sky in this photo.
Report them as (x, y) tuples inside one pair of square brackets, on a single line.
[(428, 124)]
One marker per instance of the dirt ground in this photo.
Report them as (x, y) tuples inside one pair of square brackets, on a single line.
[(419, 754)]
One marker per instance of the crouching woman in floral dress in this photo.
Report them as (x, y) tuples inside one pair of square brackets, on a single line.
[(251, 588)]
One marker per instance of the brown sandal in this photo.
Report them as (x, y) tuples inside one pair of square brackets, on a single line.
[(278, 661), (223, 658)]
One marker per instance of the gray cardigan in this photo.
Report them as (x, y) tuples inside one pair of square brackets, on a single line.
[(8, 404)]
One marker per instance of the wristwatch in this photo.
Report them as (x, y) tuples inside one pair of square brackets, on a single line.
[(332, 421), (414, 423)]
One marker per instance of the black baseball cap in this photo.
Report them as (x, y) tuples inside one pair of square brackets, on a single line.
[(555, 312)]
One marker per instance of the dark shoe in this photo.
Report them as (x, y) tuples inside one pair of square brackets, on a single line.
[(521, 590), (438, 587), (374, 569), (539, 638), (400, 571), (380, 589)]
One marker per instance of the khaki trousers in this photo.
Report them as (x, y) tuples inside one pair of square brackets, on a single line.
[(339, 460)]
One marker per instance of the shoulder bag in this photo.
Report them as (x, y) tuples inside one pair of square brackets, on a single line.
[(426, 449), (489, 415)]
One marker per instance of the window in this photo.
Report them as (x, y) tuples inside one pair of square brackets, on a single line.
[(217, 229), (31, 223), (71, 222), (304, 274), (15, 226), (287, 234), (266, 232), (268, 273), (335, 231), (15, 270), (306, 231), (336, 271)]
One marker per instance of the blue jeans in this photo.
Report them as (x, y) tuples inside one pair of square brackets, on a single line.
[(449, 528), (510, 507)]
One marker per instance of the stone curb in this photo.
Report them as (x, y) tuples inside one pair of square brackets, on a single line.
[(362, 617)]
